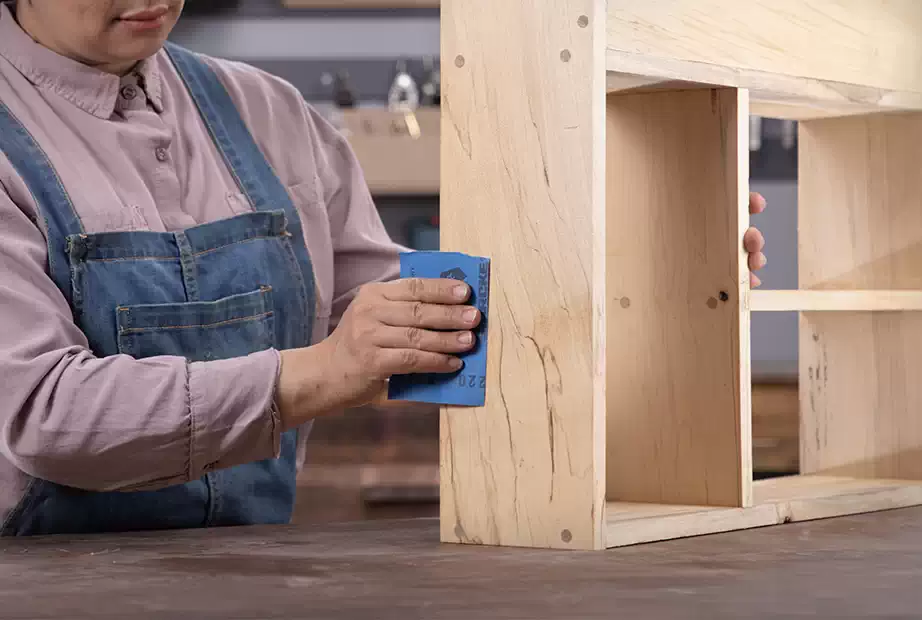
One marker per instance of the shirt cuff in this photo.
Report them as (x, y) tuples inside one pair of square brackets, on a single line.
[(233, 416)]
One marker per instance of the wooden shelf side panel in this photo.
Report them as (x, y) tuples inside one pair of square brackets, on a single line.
[(679, 427), (522, 169), (860, 223)]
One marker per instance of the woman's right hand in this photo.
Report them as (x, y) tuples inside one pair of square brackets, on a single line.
[(401, 327)]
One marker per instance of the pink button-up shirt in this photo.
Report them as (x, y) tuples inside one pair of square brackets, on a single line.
[(133, 154)]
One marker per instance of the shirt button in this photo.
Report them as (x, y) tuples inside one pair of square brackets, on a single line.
[(162, 154), (129, 92)]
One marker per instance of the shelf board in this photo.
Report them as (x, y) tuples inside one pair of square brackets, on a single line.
[(866, 62), (834, 301), (775, 501)]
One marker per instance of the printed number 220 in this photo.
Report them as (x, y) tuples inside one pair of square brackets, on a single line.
[(470, 381)]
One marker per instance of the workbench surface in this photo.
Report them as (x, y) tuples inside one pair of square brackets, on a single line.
[(863, 566)]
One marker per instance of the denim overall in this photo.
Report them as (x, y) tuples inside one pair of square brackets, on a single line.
[(214, 291)]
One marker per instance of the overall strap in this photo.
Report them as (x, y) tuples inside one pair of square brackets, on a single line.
[(54, 205), (252, 172)]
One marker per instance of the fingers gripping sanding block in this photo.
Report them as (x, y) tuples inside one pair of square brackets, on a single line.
[(468, 386)]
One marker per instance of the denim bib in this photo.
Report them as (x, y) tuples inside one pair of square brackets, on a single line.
[(215, 291)]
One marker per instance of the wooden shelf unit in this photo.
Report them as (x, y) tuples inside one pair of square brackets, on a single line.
[(600, 158)]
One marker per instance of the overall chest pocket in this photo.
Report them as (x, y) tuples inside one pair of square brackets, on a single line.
[(199, 331)]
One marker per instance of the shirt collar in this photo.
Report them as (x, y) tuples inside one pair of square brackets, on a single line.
[(89, 89)]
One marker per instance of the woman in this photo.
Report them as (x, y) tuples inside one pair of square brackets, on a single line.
[(178, 235)]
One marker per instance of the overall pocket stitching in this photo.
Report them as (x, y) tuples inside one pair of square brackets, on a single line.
[(195, 254), (139, 330), (131, 258), (227, 245), (302, 288)]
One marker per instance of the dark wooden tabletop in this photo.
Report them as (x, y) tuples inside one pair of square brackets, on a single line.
[(867, 566)]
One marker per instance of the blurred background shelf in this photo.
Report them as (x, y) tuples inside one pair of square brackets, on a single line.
[(395, 162)]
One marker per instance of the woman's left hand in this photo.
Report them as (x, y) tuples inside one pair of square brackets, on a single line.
[(753, 240)]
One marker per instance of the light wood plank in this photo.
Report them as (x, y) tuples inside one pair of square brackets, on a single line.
[(796, 109), (777, 501), (523, 131), (834, 301), (772, 94), (679, 385), (860, 227), (872, 43)]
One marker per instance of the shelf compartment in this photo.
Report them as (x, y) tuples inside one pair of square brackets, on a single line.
[(776, 501), (834, 301)]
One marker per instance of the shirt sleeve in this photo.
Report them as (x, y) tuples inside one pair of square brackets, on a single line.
[(363, 250), (114, 423)]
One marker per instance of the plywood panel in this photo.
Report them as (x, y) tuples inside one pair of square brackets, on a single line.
[(861, 228), (523, 183), (678, 391), (777, 501), (872, 43)]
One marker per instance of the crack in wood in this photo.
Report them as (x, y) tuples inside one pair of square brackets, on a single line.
[(550, 413), (465, 146), (502, 396), (453, 483)]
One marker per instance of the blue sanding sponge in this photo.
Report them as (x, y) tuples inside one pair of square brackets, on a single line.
[(468, 386)]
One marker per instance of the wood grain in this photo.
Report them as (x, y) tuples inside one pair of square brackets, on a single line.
[(834, 301), (777, 501), (678, 390), (523, 183), (860, 222), (771, 95), (873, 43), (775, 427)]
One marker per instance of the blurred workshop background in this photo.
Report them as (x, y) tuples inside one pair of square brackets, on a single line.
[(372, 67)]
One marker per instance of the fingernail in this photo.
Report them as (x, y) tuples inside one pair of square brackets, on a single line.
[(466, 338), (456, 363), (460, 291), (470, 315)]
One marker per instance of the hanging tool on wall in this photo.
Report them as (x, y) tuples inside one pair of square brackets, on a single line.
[(432, 87), (343, 93), (788, 134), (403, 97), (755, 133)]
